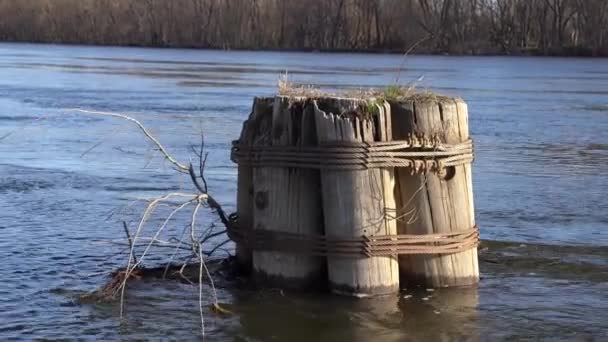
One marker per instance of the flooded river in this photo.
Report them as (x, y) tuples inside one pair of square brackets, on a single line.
[(540, 180)]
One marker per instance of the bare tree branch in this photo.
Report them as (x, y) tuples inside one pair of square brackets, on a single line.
[(160, 147)]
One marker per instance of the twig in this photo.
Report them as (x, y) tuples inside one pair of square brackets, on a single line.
[(123, 209), (175, 251), (217, 247), (181, 270), (202, 161), (101, 141), (158, 231), (197, 249), (210, 236), (200, 290), (124, 225), (161, 148), (146, 215), (154, 242), (213, 204), (24, 127), (415, 45)]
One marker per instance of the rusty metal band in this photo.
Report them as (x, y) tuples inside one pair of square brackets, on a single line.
[(362, 247), (413, 153)]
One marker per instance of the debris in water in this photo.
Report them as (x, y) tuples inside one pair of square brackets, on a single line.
[(218, 309)]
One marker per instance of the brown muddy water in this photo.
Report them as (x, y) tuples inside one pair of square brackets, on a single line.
[(540, 179)]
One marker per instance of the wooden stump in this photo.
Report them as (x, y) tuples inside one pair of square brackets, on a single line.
[(355, 202), (254, 127), (435, 203), (288, 200)]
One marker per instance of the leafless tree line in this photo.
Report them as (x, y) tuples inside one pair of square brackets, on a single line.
[(452, 26)]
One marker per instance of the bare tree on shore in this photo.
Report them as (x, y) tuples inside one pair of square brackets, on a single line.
[(455, 26)]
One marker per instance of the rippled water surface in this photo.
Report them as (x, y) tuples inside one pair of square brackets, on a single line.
[(540, 179)]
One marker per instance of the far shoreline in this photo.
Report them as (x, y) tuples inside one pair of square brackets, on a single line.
[(313, 50)]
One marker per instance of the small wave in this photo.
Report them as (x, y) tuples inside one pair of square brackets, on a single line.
[(553, 261), (597, 147), (521, 91), (594, 108), (158, 61), (219, 84), (29, 179), (21, 186), (18, 118), (139, 188)]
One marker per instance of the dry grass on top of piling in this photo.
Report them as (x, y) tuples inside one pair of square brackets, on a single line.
[(393, 92), (287, 88)]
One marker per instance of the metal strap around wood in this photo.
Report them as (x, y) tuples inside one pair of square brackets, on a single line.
[(413, 153), (365, 246)]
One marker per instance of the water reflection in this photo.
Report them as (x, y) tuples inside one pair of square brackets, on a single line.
[(419, 315)]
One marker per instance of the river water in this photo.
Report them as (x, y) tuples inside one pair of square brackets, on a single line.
[(540, 180)]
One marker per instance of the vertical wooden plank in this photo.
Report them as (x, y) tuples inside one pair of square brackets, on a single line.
[(413, 211), (463, 125), (439, 204), (354, 202), (260, 117), (288, 200)]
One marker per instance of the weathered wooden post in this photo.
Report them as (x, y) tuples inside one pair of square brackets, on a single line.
[(357, 194), (355, 201), (253, 128), (288, 200), (436, 202)]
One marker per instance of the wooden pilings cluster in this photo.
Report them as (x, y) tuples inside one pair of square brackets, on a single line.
[(352, 203)]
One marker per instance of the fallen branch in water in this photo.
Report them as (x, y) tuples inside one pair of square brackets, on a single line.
[(201, 199), (184, 273)]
